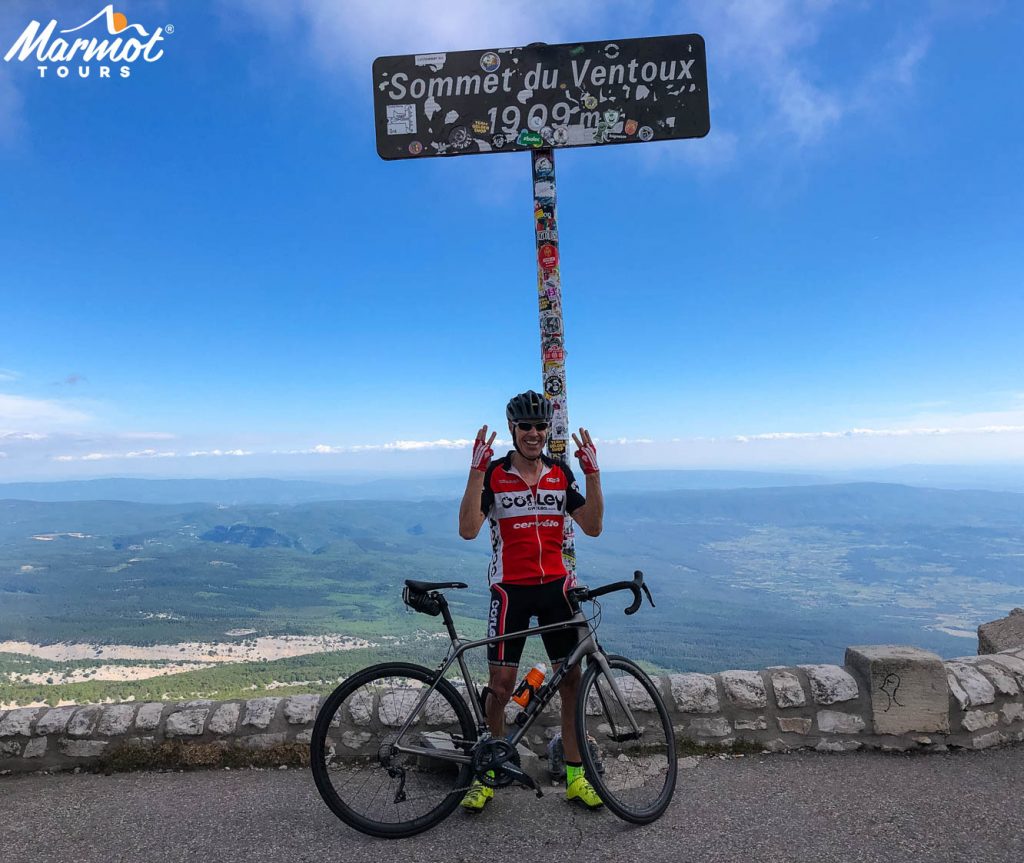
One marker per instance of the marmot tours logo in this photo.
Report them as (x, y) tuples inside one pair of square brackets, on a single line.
[(121, 44)]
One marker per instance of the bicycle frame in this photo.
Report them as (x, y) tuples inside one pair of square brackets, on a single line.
[(587, 646)]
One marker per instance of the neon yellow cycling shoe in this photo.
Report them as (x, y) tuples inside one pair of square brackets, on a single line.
[(581, 791), (476, 798)]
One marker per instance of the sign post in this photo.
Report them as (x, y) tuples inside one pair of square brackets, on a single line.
[(541, 98)]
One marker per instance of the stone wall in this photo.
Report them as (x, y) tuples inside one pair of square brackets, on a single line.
[(886, 697)]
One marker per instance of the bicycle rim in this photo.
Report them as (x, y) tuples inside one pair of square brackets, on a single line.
[(633, 770), (362, 780)]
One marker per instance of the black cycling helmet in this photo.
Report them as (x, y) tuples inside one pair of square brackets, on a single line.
[(529, 407)]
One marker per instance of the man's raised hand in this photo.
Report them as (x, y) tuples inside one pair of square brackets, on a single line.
[(586, 451), (482, 451)]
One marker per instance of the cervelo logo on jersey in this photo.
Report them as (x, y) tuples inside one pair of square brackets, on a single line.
[(548, 522), (131, 42)]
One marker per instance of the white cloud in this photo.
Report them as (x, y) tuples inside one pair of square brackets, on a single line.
[(3, 454), (22, 411), (8, 375), (219, 452), (864, 433)]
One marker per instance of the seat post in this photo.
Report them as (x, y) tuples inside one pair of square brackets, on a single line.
[(446, 616)]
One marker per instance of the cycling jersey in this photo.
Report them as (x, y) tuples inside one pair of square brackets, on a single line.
[(527, 523)]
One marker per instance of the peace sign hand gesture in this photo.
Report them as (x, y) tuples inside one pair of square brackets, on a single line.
[(586, 451), (482, 451)]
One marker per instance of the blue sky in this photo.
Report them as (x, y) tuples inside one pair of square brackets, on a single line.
[(207, 270)]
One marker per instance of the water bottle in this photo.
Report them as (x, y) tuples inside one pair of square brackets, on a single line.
[(530, 684)]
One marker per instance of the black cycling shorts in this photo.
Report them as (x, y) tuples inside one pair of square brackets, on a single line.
[(512, 606)]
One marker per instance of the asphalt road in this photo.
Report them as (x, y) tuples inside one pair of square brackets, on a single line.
[(961, 806)]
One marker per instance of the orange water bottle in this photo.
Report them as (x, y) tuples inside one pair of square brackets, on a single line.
[(530, 684)]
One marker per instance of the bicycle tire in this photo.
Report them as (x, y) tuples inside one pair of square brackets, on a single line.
[(634, 778), (348, 771)]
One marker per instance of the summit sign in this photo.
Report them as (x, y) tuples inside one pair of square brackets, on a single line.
[(541, 96)]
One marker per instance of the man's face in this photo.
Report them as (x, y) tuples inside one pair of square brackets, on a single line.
[(531, 440)]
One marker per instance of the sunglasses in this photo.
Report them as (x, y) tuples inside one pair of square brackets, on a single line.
[(528, 426)]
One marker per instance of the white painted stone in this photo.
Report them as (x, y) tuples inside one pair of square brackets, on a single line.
[(788, 691), (717, 727), (694, 693), (10, 748), (993, 738), (757, 724), (1008, 661), (830, 684), (84, 721), (360, 706), (148, 718), (834, 722), (186, 723), (355, 739), (55, 721), (36, 748), (82, 748), (974, 683), (794, 724), (19, 721), (975, 720), (838, 745), (259, 712), (959, 693), (745, 689), (1003, 682), (1013, 713), (225, 719), (300, 709), (396, 706), (907, 687), (116, 719)]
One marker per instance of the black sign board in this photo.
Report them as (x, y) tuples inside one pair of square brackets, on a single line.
[(578, 95)]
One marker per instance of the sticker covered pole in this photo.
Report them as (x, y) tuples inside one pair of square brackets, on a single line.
[(552, 333)]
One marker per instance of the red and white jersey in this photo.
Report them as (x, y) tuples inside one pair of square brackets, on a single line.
[(527, 522)]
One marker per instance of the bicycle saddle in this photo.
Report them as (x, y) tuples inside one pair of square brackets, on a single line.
[(433, 585)]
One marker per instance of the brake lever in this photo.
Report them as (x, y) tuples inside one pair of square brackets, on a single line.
[(647, 591)]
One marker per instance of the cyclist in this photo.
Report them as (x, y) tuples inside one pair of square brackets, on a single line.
[(525, 497)]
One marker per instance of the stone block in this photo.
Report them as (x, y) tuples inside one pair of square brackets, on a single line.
[(259, 712), (262, 741), (397, 706), (304, 736), (788, 691), (148, 718), (838, 745), (717, 727), (19, 721), (975, 720), (10, 748), (83, 723), (36, 747), (794, 724), (757, 724), (82, 748), (55, 721), (301, 709), (984, 741), (355, 739), (225, 719), (830, 684), (907, 686), (835, 722), (1003, 681), (973, 688), (1013, 713), (694, 693), (1007, 633), (745, 689), (116, 719), (186, 723)]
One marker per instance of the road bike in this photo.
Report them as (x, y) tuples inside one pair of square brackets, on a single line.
[(396, 746)]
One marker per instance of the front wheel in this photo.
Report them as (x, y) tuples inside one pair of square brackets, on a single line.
[(633, 767), (358, 771)]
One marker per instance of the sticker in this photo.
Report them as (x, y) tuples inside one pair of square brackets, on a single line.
[(611, 50), (550, 325), (556, 447), (498, 141), (548, 256), (434, 61), (547, 236), (543, 189), (415, 148), (458, 137), (490, 62), (536, 122), (543, 303), (590, 102), (401, 119), (528, 139), (542, 167), (646, 133), (553, 385), (550, 342), (630, 127), (560, 135), (611, 116), (481, 127), (555, 355)]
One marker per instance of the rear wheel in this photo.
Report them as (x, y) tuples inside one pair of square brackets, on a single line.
[(361, 777), (632, 768)]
